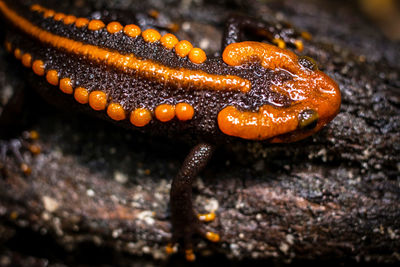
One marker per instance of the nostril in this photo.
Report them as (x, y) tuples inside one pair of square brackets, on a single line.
[(308, 63), (308, 119)]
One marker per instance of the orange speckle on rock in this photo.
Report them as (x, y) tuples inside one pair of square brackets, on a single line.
[(95, 25), (27, 60), (173, 27), (169, 41), (81, 22), (306, 35), (165, 112), (132, 30), (66, 86), (116, 112), (114, 27), (81, 95), (169, 249), (52, 77), (184, 111), (25, 168), (197, 55), (154, 13), (38, 67), (140, 117), (98, 100), (34, 149), (189, 255), (213, 237), (183, 48), (151, 35)]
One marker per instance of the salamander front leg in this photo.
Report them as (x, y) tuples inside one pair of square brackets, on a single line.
[(280, 34), (185, 222), (11, 140)]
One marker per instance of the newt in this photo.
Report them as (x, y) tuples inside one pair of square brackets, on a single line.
[(155, 83)]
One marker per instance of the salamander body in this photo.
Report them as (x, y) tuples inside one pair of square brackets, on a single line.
[(159, 84), (143, 80)]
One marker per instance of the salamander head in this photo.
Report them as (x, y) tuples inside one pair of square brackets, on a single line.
[(315, 98)]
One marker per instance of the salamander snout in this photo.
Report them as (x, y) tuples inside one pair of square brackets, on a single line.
[(314, 96)]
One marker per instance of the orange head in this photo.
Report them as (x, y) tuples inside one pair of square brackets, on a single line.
[(315, 98)]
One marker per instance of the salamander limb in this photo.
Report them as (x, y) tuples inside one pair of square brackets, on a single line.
[(280, 34), (15, 147), (184, 220), (13, 140)]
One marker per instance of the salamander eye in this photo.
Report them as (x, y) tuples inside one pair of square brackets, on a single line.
[(308, 63), (308, 119)]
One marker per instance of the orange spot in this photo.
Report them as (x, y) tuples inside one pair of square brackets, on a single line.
[(59, 16), (81, 22), (299, 45), (197, 55), (38, 67), (165, 112), (140, 117), (213, 237), (17, 53), (116, 111), (114, 27), (183, 48), (95, 25), (151, 35), (14, 215), (34, 149), (193, 79), (98, 100), (8, 46), (184, 111), (132, 30), (189, 255), (34, 135), (173, 27), (169, 41), (306, 35), (154, 13), (280, 43), (208, 217), (49, 13), (81, 95), (52, 77), (69, 19), (25, 169), (169, 249), (27, 60), (66, 86), (36, 7)]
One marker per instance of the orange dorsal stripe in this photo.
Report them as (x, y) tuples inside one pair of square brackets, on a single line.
[(195, 79)]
